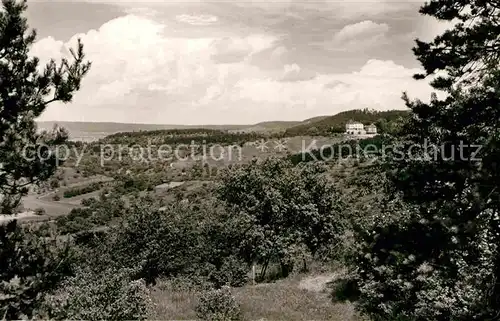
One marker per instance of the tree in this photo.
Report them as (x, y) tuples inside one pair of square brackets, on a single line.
[(31, 265), (284, 207), (440, 260), (194, 240), (468, 51), (25, 92)]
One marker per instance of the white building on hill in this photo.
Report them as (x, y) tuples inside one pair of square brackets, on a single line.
[(371, 129), (354, 128)]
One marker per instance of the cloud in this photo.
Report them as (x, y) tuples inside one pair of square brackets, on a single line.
[(235, 49), (142, 11), (135, 61), (378, 84), (142, 73), (361, 30), (197, 20), (359, 36), (48, 47), (346, 9), (294, 72), (336, 83)]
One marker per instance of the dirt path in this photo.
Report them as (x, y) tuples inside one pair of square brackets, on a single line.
[(319, 283)]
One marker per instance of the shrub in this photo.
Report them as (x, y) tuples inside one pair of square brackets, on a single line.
[(96, 213), (40, 211), (82, 190), (109, 295), (218, 305), (399, 276), (54, 183), (56, 198), (88, 201), (32, 266), (233, 272)]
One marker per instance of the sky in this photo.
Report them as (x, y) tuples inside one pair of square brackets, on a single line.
[(233, 62)]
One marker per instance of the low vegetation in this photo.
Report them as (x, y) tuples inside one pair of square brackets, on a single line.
[(218, 305), (175, 137), (72, 192)]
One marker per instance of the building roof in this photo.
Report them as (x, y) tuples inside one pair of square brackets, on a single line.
[(372, 126)]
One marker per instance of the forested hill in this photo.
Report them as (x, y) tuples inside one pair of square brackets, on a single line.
[(386, 121)]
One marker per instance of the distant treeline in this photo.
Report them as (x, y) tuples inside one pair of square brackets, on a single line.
[(172, 132), (183, 136)]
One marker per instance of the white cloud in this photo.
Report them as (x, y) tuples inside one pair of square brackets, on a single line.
[(197, 20), (294, 72), (48, 47), (378, 84), (236, 49), (141, 11), (132, 59), (141, 74), (363, 29), (359, 36)]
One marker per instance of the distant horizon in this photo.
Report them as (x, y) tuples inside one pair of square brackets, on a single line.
[(212, 124), (171, 124)]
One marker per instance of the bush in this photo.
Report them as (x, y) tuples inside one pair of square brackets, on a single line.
[(40, 211), (32, 266), (233, 272), (97, 213), (218, 305), (56, 198), (54, 183), (398, 276), (109, 295), (82, 190), (88, 201)]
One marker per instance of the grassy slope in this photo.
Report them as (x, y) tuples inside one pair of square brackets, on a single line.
[(287, 300)]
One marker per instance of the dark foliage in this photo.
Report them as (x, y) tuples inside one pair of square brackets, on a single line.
[(24, 95), (437, 257), (32, 266), (82, 190), (176, 137), (284, 209)]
